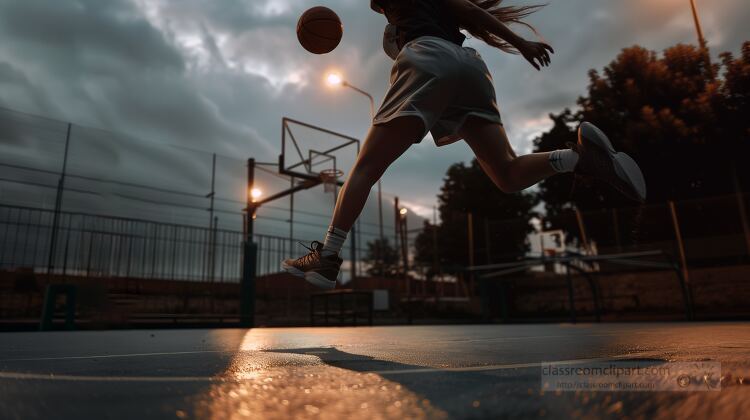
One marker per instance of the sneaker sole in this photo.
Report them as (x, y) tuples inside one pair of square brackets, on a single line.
[(317, 280), (292, 270), (312, 277), (625, 167)]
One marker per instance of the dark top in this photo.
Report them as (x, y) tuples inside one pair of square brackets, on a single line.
[(415, 18)]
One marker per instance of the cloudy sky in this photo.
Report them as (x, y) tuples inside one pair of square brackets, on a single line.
[(219, 75)]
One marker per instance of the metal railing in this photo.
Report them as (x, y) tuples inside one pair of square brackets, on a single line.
[(89, 245)]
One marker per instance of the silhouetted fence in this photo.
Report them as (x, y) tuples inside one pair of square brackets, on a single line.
[(114, 247), (709, 231), (64, 167)]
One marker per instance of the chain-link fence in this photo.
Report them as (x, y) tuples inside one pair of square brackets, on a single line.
[(81, 204), (101, 209)]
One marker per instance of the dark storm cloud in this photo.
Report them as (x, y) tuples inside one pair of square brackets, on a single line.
[(14, 83), (78, 27), (103, 64), (9, 75)]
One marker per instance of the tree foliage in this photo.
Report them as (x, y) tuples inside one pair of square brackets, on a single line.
[(382, 258), (683, 119)]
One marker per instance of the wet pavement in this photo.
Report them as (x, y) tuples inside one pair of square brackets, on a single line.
[(484, 371)]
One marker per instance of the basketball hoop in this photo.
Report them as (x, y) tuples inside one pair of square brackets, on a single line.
[(330, 178)]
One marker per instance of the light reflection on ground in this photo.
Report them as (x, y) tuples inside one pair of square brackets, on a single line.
[(276, 384), (392, 373)]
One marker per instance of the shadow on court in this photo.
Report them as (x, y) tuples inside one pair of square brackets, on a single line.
[(450, 392)]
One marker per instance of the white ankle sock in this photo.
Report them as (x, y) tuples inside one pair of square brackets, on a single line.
[(334, 241), (563, 160)]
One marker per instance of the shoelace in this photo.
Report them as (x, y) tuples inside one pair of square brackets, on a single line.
[(312, 255)]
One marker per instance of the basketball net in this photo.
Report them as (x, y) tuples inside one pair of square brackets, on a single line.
[(330, 179)]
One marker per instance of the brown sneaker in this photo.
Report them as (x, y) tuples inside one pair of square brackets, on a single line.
[(317, 269), (598, 159)]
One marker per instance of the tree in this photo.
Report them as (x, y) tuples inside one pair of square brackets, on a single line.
[(382, 258), (681, 118), (735, 92), (670, 113), (425, 246), (467, 189)]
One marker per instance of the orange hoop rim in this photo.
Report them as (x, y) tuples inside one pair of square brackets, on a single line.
[(331, 174)]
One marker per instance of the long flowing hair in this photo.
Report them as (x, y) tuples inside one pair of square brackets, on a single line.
[(505, 14)]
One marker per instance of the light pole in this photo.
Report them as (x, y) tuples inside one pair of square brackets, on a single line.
[(701, 39), (356, 89), (335, 79), (404, 231), (698, 29)]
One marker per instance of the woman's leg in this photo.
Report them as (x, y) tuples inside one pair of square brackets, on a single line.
[(383, 145), (492, 149)]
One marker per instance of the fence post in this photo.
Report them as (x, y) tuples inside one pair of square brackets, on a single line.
[(250, 257), (395, 222), (435, 257), (470, 231), (680, 244), (247, 289), (209, 249), (571, 297), (405, 242), (291, 217), (582, 229), (58, 206)]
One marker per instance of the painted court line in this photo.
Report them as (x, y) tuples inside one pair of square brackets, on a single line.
[(76, 378), (177, 353), (507, 366), (485, 368), (537, 337), (112, 356)]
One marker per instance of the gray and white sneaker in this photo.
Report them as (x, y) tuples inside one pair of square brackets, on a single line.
[(317, 269), (598, 159)]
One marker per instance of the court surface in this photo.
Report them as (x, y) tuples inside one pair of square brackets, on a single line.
[(472, 371)]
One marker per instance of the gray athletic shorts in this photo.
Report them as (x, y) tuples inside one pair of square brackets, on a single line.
[(443, 84)]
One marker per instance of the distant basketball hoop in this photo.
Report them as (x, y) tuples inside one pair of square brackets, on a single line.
[(330, 178), (552, 242)]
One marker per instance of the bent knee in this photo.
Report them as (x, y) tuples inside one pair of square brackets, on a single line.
[(507, 180)]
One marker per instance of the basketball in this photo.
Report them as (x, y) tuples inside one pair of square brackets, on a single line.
[(319, 30)]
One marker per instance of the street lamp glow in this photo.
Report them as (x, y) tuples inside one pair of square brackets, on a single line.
[(403, 211), (334, 79), (255, 193)]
